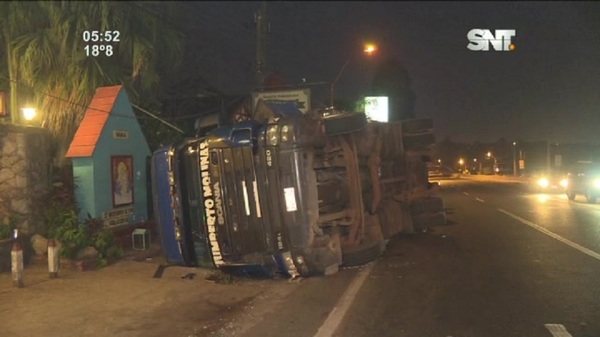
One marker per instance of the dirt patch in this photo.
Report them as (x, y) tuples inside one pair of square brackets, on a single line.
[(125, 299)]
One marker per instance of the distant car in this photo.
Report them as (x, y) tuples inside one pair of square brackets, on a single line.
[(442, 172), (549, 182), (584, 179)]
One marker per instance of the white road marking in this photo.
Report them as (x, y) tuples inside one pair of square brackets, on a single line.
[(466, 193), (553, 235), (480, 200), (339, 311), (558, 330)]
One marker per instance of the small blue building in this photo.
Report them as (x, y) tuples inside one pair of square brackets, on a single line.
[(109, 154)]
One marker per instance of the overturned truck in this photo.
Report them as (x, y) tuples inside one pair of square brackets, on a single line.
[(293, 193)]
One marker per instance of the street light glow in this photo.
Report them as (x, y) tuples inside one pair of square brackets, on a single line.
[(370, 49), (29, 113)]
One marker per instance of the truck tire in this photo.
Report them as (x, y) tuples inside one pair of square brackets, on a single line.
[(363, 254), (325, 260), (428, 220), (427, 205), (344, 123)]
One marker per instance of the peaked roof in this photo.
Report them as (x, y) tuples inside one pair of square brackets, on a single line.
[(96, 115)]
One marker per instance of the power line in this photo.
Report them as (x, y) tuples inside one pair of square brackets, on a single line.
[(157, 118), (87, 107)]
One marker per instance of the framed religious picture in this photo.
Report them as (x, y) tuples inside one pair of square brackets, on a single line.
[(122, 180)]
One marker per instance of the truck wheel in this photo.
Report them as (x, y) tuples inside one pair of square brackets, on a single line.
[(427, 205), (344, 123), (427, 220), (363, 254), (325, 260)]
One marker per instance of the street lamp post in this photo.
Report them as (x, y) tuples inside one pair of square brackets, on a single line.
[(515, 159), (489, 155), (331, 89), (369, 49)]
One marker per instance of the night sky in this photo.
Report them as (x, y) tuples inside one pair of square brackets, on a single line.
[(547, 89)]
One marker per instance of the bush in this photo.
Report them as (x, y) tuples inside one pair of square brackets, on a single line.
[(70, 233), (62, 223), (103, 239), (6, 230)]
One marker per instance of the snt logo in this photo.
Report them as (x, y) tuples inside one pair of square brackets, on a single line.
[(480, 39)]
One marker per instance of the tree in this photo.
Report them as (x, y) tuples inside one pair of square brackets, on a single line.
[(48, 66), (392, 79)]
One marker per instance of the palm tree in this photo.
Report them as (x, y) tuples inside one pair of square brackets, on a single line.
[(12, 14), (54, 71)]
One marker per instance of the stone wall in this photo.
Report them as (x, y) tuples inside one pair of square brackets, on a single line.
[(25, 161)]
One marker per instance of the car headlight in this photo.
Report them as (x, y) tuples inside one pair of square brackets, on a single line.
[(564, 183), (597, 183), (287, 133), (543, 182), (272, 136)]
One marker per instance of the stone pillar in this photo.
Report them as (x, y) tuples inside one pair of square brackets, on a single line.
[(24, 165)]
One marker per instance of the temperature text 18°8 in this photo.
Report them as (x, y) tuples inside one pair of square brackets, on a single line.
[(98, 49)]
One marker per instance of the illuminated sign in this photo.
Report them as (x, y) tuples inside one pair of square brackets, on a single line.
[(377, 108)]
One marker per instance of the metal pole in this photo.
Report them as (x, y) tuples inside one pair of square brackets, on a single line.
[(515, 159), (331, 95)]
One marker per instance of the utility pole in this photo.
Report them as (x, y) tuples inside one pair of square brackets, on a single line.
[(261, 44)]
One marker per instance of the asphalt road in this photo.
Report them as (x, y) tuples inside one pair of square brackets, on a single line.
[(509, 263)]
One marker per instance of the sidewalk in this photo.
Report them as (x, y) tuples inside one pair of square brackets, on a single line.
[(125, 299), (37, 272)]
